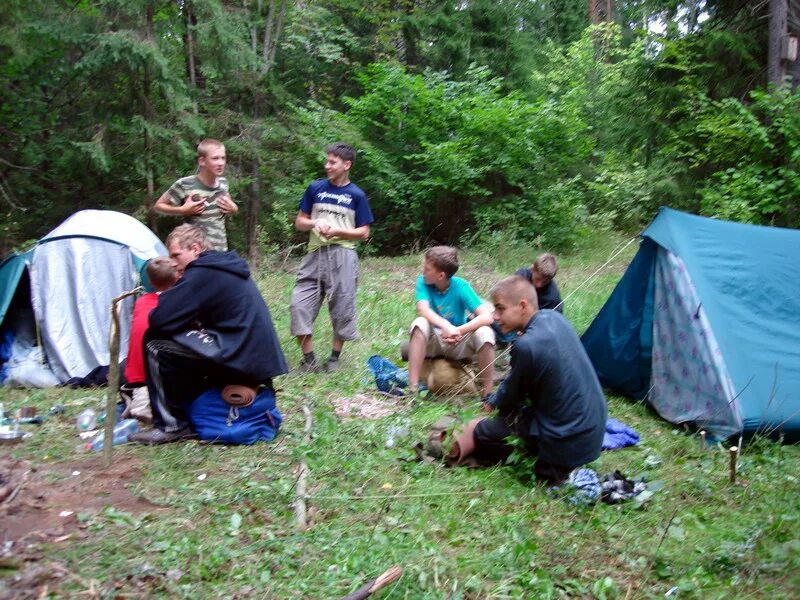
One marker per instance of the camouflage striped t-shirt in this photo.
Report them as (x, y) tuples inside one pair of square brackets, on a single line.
[(211, 220)]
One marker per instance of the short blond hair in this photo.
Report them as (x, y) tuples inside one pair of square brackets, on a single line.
[(161, 273), (515, 288), (204, 147), (444, 258), (546, 265), (186, 235)]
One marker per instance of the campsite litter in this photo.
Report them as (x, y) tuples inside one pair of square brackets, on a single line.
[(86, 420), (399, 431), (122, 431), (365, 406)]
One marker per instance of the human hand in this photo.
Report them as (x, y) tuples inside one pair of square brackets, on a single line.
[(226, 205), (322, 228), (451, 334), (194, 205)]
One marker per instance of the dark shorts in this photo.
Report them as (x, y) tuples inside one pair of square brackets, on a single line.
[(492, 446)]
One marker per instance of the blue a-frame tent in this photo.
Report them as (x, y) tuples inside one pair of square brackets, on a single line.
[(705, 325)]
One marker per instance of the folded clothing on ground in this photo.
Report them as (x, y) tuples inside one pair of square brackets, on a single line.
[(618, 435)]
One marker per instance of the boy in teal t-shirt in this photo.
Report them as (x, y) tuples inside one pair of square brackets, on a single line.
[(442, 327)]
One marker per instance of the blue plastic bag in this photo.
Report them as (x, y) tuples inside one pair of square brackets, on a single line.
[(388, 377)]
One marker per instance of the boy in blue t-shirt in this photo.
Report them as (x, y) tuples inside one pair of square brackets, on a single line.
[(336, 213), (443, 328)]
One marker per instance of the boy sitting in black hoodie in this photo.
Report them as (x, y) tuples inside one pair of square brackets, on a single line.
[(211, 329)]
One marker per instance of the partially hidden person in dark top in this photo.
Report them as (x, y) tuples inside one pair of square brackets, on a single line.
[(551, 397), (541, 274), (211, 329)]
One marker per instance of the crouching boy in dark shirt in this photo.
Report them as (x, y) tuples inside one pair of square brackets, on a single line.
[(551, 398)]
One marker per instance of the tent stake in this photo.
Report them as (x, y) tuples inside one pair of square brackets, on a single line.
[(703, 439), (113, 376), (734, 454)]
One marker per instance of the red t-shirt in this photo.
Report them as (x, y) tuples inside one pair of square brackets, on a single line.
[(134, 367)]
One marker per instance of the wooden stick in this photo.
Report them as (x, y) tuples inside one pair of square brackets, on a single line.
[(301, 486), (113, 376), (19, 487), (734, 454), (703, 439), (389, 576)]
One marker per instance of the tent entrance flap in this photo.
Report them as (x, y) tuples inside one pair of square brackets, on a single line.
[(690, 380), (618, 340)]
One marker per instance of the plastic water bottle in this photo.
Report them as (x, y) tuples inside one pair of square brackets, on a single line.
[(87, 420), (396, 432), (122, 430)]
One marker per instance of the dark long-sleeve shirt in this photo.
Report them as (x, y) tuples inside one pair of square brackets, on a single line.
[(549, 296), (553, 381)]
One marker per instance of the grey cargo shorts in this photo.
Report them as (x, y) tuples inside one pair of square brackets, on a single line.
[(330, 271)]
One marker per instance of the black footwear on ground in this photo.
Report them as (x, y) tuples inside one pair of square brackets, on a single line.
[(308, 366), (157, 436)]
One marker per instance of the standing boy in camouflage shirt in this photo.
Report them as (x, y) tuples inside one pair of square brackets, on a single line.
[(203, 198)]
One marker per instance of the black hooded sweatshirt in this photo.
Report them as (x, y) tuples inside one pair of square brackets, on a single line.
[(217, 293)]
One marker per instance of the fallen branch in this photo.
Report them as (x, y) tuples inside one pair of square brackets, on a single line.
[(390, 576), (300, 489), (19, 487), (113, 376)]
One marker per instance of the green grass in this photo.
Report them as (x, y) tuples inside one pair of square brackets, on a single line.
[(457, 533)]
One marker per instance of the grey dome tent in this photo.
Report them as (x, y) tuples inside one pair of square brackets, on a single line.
[(69, 279), (705, 325)]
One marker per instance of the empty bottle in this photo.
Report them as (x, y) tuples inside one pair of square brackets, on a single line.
[(87, 420), (122, 430), (396, 432)]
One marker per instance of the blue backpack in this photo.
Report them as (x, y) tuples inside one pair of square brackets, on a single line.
[(215, 420)]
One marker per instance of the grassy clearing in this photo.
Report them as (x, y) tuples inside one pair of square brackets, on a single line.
[(225, 523)]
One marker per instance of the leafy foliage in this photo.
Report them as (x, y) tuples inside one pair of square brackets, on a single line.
[(470, 118)]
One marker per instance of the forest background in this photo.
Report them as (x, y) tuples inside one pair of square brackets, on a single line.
[(483, 120)]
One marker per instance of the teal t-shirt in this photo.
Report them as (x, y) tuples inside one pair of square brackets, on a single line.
[(454, 304)]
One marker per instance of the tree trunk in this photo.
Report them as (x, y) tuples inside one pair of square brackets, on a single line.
[(276, 35), (190, 60), (147, 109), (794, 30), (778, 16), (594, 12), (600, 11), (691, 18)]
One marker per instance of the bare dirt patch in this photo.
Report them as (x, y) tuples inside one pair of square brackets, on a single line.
[(45, 500)]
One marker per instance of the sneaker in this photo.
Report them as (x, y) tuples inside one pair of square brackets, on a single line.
[(308, 366), (332, 365), (157, 436)]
